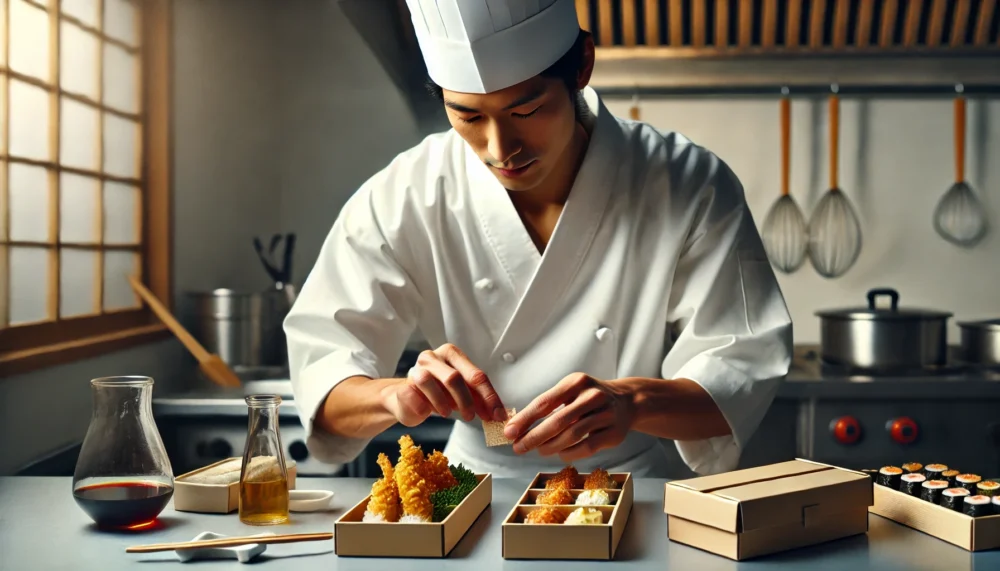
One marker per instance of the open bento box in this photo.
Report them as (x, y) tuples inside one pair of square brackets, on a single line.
[(563, 537), (970, 533), (767, 509), (216, 488), (355, 537)]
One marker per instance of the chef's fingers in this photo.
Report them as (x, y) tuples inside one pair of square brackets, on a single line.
[(598, 440), (564, 392), (556, 423), (409, 405), (452, 385), (490, 407), (576, 432), (427, 383)]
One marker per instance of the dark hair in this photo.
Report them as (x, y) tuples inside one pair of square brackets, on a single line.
[(565, 68)]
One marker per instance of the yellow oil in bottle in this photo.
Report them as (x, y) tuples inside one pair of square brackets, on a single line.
[(264, 502)]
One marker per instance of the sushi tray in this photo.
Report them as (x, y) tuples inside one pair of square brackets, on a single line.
[(758, 511), (421, 507), (569, 515), (962, 509)]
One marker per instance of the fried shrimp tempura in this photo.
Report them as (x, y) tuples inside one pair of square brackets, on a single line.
[(414, 490), (555, 497), (599, 480), (384, 503), (437, 473), (545, 515), (564, 479)]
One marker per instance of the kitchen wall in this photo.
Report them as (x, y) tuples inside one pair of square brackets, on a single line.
[(896, 163), (225, 192)]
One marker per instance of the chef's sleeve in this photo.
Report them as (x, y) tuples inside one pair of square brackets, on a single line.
[(353, 317), (735, 335)]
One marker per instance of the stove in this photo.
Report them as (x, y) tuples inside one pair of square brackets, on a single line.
[(865, 419)]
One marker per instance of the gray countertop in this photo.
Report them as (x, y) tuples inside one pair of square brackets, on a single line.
[(42, 528)]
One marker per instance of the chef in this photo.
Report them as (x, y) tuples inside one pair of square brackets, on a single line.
[(603, 278)]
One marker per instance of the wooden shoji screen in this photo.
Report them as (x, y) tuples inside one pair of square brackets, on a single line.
[(75, 173)]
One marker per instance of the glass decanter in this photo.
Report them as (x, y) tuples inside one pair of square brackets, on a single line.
[(123, 478)]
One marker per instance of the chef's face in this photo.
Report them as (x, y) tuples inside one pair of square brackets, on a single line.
[(521, 132)]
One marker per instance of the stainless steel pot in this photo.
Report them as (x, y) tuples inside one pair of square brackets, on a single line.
[(980, 341), (873, 338), (244, 329)]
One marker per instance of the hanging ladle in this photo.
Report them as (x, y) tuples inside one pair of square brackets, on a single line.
[(959, 217), (834, 231), (784, 233)]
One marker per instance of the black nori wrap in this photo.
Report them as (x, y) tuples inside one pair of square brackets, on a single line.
[(954, 502)]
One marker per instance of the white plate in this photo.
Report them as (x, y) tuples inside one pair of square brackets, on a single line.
[(309, 500)]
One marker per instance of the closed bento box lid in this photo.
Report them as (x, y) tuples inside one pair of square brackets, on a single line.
[(767, 496)]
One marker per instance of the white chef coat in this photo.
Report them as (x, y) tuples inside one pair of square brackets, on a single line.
[(655, 238)]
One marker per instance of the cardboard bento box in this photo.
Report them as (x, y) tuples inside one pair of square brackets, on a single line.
[(568, 541), (768, 509), (356, 538), (955, 527), (223, 498)]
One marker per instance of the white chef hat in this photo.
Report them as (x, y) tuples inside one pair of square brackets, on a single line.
[(481, 46)]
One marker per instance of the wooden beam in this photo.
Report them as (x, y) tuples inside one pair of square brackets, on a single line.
[(629, 28), (935, 28), (652, 14), (793, 23), (676, 17), (100, 215), (911, 31), (866, 15), (769, 19), (840, 13), (63, 168), (885, 38), (745, 23), (157, 171), (816, 20), (721, 23), (53, 177), (960, 24), (604, 13), (983, 23), (699, 24)]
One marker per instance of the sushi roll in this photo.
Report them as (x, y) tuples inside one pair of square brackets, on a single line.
[(953, 498), (889, 476), (933, 471), (976, 506), (988, 488), (950, 475), (913, 467), (930, 491), (996, 505), (873, 474), (967, 481), (911, 484)]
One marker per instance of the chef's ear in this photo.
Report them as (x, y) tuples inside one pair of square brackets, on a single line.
[(587, 62)]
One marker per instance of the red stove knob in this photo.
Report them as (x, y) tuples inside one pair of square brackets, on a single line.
[(902, 430), (846, 429)]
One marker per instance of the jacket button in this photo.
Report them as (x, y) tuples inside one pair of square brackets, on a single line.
[(603, 334), (509, 357), (484, 284)]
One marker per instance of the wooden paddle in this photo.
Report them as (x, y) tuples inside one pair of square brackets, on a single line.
[(229, 542), (211, 365)]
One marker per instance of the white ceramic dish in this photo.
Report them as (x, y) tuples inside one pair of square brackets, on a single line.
[(309, 500), (244, 553)]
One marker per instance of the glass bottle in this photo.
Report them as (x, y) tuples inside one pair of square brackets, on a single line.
[(264, 478), (123, 478)]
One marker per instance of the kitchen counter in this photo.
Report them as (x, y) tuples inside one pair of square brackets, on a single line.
[(41, 527)]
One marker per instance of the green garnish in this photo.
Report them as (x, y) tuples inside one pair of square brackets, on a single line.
[(446, 500)]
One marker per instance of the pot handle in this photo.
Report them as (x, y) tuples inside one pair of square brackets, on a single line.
[(874, 293)]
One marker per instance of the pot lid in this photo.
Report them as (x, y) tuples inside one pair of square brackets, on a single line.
[(893, 312), (987, 324)]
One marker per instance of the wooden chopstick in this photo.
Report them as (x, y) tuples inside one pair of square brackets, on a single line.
[(229, 542)]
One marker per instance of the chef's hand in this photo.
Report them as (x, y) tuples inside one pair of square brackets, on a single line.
[(597, 415), (443, 381)]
